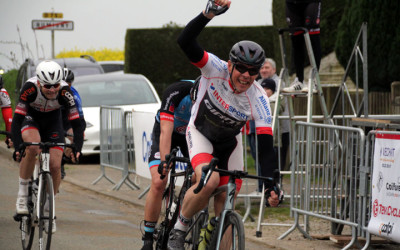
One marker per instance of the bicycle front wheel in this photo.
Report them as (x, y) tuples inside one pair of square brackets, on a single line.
[(232, 233), (26, 225), (162, 230), (46, 217)]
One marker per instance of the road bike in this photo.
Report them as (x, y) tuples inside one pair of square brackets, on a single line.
[(229, 228), (172, 201), (40, 190)]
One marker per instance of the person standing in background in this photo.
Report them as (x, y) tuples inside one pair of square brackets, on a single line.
[(303, 13), (268, 71)]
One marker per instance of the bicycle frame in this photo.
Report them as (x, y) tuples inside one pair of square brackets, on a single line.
[(171, 216), (230, 189), (44, 168)]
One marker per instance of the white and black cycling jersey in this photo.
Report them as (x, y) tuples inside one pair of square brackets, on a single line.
[(219, 113), (41, 103), (4, 99), (33, 104)]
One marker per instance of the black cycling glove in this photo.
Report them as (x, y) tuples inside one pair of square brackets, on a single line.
[(214, 8)]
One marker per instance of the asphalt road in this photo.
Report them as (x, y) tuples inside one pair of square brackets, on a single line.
[(85, 220)]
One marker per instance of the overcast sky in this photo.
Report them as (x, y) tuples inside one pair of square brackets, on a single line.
[(102, 24)]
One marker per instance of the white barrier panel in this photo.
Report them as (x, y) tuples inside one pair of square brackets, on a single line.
[(142, 129), (385, 214)]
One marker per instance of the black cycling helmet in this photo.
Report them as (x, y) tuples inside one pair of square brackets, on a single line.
[(1, 82), (194, 89), (247, 52), (68, 75)]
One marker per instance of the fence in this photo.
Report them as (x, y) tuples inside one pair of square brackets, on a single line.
[(324, 182), (116, 145), (331, 178)]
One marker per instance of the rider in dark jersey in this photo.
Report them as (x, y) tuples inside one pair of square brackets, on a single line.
[(38, 118), (69, 79), (227, 97), (168, 132)]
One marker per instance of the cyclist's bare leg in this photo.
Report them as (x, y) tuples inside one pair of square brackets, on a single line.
[(55, 167), (219, 201), (154, 197), (27, 164), (192, 202)]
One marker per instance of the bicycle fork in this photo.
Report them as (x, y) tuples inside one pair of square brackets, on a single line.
[(228, 207)]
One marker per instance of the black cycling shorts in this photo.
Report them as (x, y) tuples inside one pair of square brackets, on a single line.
[(50, 130), (176, 140)]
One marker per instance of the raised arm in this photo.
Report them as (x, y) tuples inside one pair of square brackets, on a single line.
[(187, 39)]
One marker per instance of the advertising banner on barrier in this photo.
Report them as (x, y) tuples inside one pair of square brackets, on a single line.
[(385, 210), (142, 131)]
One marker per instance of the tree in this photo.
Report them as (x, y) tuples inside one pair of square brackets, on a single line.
[(383, 39)]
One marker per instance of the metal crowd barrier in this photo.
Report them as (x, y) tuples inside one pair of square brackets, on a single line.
[(324, 179), (116, 145), (343, 120)]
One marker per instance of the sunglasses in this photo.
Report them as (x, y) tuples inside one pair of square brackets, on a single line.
[(243, 69), (49, 86)]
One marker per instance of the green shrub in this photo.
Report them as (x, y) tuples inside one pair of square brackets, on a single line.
[(383, 40)]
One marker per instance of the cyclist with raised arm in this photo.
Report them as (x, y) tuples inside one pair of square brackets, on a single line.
[(6, 110), (37, 118), (227, 97), (168, 132)]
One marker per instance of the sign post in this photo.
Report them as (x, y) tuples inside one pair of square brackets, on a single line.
[(52, 25)]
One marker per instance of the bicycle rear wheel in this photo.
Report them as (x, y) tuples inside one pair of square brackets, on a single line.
[(232, 233), (46, 194), (26, 225)]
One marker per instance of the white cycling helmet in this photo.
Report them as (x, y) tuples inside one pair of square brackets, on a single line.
[(49, 72)]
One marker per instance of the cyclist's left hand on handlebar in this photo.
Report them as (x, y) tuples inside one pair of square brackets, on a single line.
[(75, 156), (163, 169), (17, 156)]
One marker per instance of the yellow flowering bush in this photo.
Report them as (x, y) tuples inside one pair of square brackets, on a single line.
[(104, 54)]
